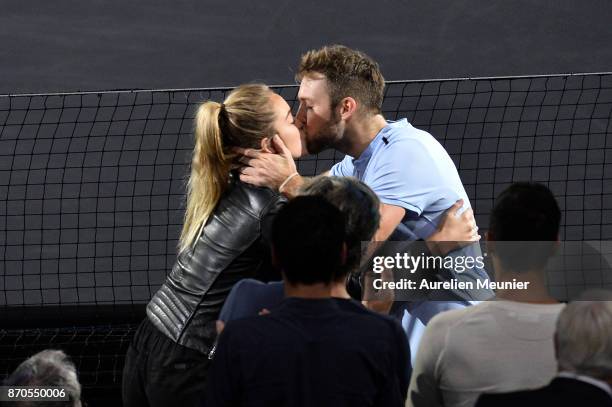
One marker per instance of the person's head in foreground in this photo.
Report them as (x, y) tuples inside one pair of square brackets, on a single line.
[(339, 88), (359, 206), (249, 117), (583, 340), (308, 242), (523, 229), (49, 368)]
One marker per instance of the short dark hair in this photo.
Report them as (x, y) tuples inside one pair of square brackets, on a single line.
[(525, 212), (360, 207), (308, 235), (348, 72)]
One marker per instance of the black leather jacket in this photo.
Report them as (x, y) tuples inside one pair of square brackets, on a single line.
[(233, 245)]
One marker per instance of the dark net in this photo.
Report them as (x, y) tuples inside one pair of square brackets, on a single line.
[(92, 187)]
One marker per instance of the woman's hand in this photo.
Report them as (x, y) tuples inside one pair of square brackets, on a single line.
[(454, 231)]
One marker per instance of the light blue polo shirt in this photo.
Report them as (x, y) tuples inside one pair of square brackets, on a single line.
[(408, 167)]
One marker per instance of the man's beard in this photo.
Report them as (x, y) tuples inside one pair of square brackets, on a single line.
[(326, 137)]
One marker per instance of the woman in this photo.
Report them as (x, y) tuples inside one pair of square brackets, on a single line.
[(224, 239)]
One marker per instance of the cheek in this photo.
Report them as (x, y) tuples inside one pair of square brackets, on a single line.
[(312, 121), (291, 137)]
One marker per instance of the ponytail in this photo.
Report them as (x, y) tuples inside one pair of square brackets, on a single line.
[(209, 172), (243, 120)]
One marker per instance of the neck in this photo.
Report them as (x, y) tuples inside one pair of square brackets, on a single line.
[(311, 291), (536, 292), (360, 133), (338, 289)]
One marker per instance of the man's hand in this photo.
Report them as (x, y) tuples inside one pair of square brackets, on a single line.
[(381, 300), (267, 169), (454, 231)]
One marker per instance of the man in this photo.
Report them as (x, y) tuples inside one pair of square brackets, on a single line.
[(583, 345), (49, 368), (507, 343), (310, 351), (341, 93)]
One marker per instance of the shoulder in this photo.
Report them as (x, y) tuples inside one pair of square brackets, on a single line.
[(374, 319), (401, 131), (403, 138), (256, 200), (253, 290), (453, 318), (247, 284)]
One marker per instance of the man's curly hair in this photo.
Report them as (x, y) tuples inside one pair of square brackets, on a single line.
[(348, 72)]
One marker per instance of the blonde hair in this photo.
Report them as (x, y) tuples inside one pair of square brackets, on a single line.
[(242, 120)]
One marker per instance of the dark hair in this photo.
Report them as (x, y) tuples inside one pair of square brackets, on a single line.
[(307, 236), (360, 207), (525, 212), (348, 72)]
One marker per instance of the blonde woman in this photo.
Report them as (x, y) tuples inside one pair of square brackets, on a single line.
[(224, 239)]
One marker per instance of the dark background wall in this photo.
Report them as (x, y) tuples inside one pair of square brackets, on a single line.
[(90, 45)]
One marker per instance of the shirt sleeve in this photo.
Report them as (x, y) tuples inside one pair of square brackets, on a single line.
[(343, 169), (405, 175), (424, 390)]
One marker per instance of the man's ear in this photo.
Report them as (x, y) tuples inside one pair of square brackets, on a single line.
[(348, 106)]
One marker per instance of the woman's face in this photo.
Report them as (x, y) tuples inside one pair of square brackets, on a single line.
[(284, 126)]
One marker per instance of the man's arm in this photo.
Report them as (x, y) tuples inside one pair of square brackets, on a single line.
[(390, 217), (273, 170), (452, 231)]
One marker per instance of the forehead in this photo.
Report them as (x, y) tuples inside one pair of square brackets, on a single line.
[(278, 101), (280, 105), (314, 87)]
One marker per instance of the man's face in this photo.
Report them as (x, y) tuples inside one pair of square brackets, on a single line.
[(316, 119)]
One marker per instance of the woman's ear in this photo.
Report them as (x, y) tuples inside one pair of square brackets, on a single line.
[(266, 145)]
